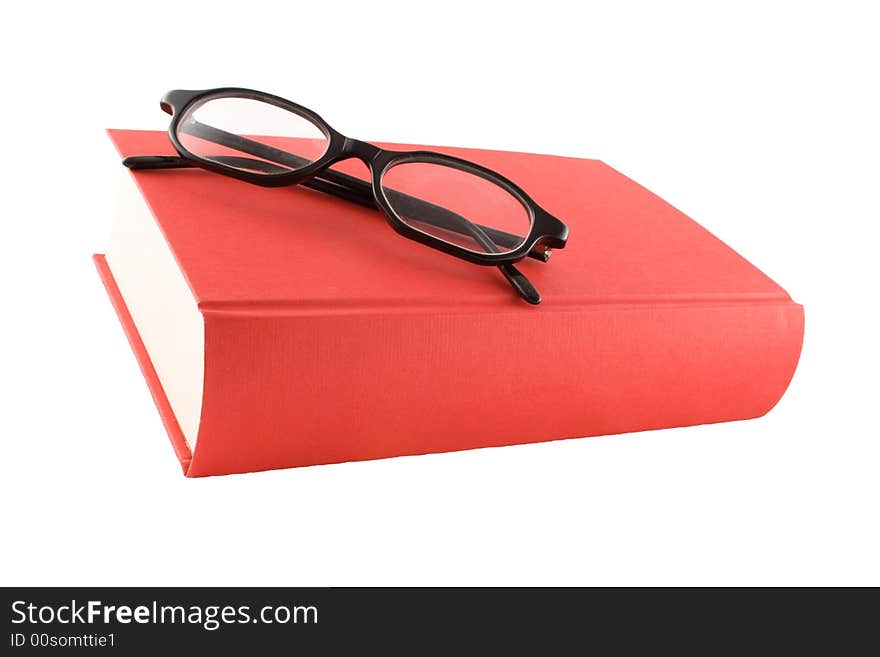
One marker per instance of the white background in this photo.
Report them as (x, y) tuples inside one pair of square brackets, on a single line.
[(758, 119)]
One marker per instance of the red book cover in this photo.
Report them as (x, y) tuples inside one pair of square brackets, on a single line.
[(322, 336)]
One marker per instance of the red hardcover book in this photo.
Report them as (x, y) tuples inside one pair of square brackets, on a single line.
[(283, 327)]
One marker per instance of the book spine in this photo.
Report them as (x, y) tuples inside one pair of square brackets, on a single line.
[(284, 389)]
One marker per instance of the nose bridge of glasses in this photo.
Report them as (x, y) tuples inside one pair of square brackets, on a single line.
[(360, 149)]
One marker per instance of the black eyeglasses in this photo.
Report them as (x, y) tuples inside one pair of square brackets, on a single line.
[(445, 202)]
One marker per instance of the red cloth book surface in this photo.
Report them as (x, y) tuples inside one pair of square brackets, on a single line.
[(323, 336)]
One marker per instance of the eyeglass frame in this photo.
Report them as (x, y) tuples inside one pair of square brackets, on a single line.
[(546, 232)]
